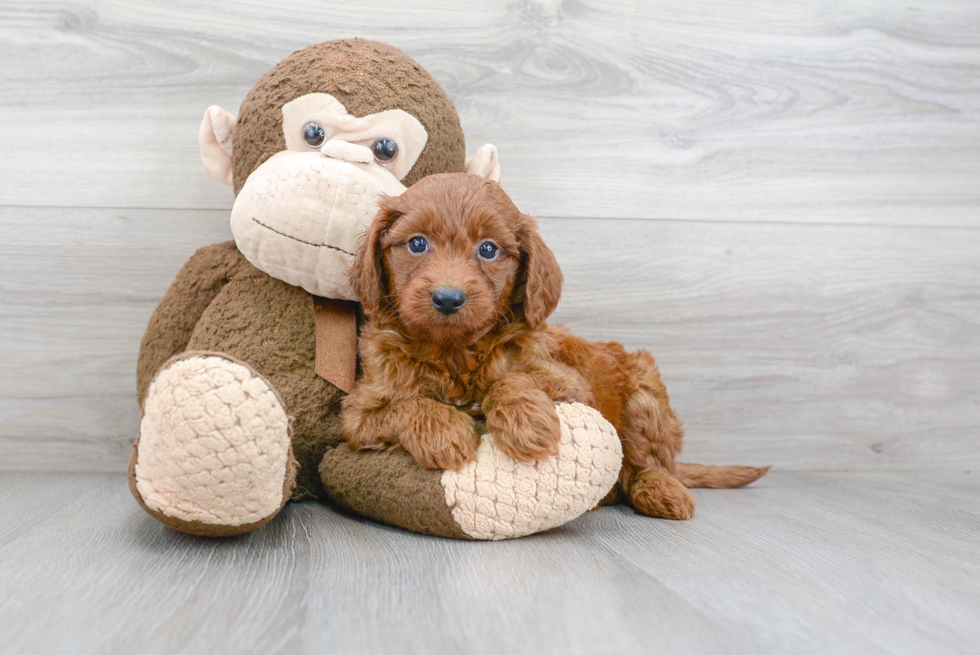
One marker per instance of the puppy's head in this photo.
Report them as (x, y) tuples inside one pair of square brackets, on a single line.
[(451, 258)]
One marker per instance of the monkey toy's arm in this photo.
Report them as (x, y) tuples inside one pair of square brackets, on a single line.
[(201, 279)]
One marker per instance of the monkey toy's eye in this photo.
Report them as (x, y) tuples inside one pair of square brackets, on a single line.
[(488, 250), (384, 150), (314, 135), (417, 245)]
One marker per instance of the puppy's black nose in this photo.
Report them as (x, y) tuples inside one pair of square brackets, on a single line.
[(448, 300)]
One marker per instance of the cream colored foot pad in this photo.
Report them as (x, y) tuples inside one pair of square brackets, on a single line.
[(214, 444), (496, 497)]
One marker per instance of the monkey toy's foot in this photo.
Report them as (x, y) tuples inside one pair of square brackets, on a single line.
[(213, 455)]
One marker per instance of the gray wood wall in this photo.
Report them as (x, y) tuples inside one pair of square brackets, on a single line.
[(780, 200)]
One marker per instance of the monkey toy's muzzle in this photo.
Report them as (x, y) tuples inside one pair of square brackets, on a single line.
[(299, 215)]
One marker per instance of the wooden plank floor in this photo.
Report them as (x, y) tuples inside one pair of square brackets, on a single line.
[(800, 563)]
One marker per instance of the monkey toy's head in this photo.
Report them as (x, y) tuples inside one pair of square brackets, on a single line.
[(316, 143)]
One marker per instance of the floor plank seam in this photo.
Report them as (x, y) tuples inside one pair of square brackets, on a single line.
[(548, 217)]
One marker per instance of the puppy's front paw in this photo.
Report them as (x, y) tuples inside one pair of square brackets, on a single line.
[(526, 428), (441, 437)]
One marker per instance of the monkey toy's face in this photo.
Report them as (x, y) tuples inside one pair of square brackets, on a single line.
[(318, 141), (300, 213)]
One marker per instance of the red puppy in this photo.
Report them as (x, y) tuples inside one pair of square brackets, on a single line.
[(457, 284)]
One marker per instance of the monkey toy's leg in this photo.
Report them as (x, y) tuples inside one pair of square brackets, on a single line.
[(215, 453), (205, 418)]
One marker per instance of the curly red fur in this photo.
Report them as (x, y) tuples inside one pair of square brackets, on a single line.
[(427, 376)]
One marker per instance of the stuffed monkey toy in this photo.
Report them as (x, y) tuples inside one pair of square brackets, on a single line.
[(245, 361)]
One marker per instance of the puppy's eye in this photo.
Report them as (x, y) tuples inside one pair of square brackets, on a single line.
[(488, 250), (384, 150), (314, 135), (417, 245)]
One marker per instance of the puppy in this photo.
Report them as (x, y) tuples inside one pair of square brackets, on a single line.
[(457, 285)]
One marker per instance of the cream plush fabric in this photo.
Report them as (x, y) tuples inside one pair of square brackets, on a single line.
[(216, 136), (496, 497), (485, 162), (300, 213), (214, 444), (330, 204), (340, 127)]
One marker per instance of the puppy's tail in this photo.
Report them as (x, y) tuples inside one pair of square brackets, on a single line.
[(717, 477)]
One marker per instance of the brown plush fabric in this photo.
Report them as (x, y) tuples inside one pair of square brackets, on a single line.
[(389, 486), (269, 324), (201, 279), (367, 77)]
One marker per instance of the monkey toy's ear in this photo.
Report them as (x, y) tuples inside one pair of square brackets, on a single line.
[(485, 163), (215, 136)]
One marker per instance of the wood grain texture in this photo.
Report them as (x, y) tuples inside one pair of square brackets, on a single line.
[(850, 341), (807, 347), (800, 563), (843, 553), (861, 112)]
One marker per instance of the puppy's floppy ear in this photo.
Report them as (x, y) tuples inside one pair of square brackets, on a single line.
[(367, 272), (542, 276)]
